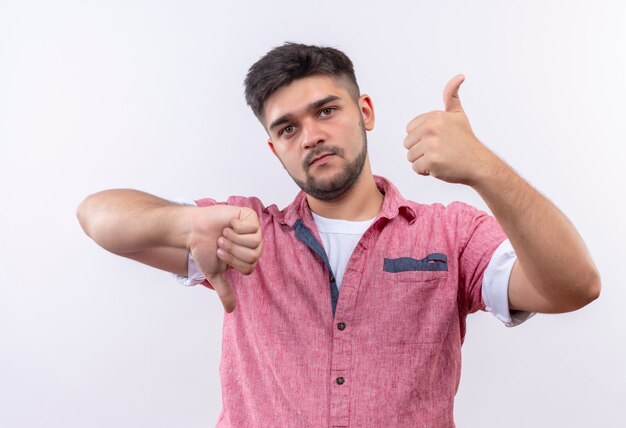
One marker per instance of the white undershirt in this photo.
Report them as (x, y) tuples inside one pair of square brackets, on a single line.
[(339, 238)]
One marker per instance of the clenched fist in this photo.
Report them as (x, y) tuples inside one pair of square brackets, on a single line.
[(442, 144), (223, 237)]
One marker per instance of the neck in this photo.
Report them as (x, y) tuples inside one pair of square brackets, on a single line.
[(362, 201)]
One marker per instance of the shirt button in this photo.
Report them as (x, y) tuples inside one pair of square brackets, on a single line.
[(341, 325), (340, 380), (332, 278)]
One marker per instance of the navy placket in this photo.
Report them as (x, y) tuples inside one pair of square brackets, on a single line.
[(305, 235)]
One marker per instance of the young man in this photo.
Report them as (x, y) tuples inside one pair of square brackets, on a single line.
[(385, 351)]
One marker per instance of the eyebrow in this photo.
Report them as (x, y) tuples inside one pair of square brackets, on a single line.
[(313, 106)]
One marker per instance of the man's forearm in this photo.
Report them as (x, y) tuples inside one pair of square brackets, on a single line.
[(126, 221), (552, 253)]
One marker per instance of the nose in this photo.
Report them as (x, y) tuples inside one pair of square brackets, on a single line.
[(311, 134)]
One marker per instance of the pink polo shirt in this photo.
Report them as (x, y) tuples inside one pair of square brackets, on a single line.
[(386, 351)]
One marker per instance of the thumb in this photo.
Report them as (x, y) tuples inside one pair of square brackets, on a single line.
[(451, 99), (226, 294)]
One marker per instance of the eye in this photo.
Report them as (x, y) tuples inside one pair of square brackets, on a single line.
[(327, 111), (287, 130)]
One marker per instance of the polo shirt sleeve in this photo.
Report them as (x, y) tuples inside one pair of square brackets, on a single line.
[(486, 258), (495, 286)]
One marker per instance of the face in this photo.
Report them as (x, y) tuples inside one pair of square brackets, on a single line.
[(318, 132)]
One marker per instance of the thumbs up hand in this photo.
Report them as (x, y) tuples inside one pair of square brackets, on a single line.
[(223, 237), (443, 145)]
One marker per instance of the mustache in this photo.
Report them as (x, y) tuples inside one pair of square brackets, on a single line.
[(328, 150)]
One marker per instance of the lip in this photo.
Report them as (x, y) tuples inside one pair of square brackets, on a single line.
[(320, 157)]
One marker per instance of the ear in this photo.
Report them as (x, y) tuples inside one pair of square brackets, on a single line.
[(269, 143), (366, 107)]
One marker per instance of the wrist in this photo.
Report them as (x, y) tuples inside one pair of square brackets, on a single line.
[(491, 171), (175, 225)]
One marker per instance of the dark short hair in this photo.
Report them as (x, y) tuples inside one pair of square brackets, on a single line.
[(291, 61)]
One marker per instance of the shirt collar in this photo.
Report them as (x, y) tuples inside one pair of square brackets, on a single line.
[(393, 205)]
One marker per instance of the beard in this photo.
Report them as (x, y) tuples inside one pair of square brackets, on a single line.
[(336, 186)]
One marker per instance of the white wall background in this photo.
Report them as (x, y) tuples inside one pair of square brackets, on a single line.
[(149, 95)]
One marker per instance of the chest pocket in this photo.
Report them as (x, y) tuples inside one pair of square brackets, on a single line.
[(412, 300)]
